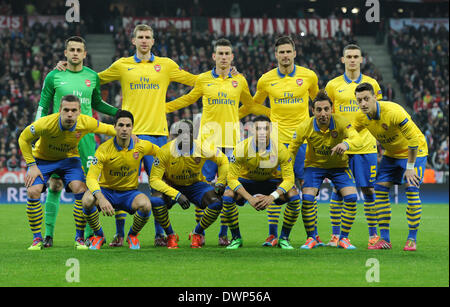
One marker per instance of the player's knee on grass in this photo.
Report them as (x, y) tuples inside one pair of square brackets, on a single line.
[(88, 200), (211, 200), (34, 192), (55, 184)]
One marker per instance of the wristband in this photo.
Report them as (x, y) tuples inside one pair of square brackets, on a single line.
[(409, 166), (275, 195)]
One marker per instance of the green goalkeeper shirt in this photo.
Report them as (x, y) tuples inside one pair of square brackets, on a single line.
[(85, 84)]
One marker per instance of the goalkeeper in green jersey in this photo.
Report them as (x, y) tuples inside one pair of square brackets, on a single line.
[(84, 83)]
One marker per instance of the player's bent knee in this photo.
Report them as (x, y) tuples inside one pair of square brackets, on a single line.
[(88, 200), (142, 203), (156, 201), (55, 184), (368, 190), (229, 193), (34, 192), (211, 200), (77, 186)]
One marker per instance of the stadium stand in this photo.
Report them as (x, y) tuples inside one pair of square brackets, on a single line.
[(420, 57)]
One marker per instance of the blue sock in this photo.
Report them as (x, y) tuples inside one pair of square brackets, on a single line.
[(336, 205), (370, 212)]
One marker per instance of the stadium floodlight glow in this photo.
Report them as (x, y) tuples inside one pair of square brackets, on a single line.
[(344, 9), (400, 10), (311, 10), (312, 0), (355, 10), (302, 33)]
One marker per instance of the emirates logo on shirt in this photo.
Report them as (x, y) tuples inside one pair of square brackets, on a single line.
[(234, 83), (299, 82), (87, 82), (158, 68), (334, 134)]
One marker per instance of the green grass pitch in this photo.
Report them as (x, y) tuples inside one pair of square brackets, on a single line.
[(250, 266)]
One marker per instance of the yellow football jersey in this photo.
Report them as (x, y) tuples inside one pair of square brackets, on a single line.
[(320, 143), (144, 87), (289, 97), (56, 143), (117, 168), (171, 167), (248, 163), (219, 124), (394, 129), (341, 91)]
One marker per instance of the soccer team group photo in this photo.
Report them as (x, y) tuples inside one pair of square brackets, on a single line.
[(209, 142)]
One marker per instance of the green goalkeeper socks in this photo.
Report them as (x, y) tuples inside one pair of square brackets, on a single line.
[(51, 211)]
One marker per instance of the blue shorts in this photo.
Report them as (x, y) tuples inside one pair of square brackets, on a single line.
[(259, 187), (195, 192), (159, 140), (364, 168), (340, 177), (68, 170), (209, 169), (121, 200), (299, 165), (392, 170)]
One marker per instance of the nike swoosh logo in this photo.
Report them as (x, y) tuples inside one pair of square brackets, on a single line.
[(111, 159), (340, 91), (62, 83), (173, 163), (272, 84), (209, 84), (131, 68)]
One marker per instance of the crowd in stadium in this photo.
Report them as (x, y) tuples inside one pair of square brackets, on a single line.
[(420, 57), (422, 72)]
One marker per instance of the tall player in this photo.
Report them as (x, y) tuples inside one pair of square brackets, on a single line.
[(289, 88), (84, 83), (144, 79), (403, 161), (363, 163), (221, 93), (56, 151)]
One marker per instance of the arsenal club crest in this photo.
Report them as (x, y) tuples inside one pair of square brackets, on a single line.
[(136, 155), (385, 127), (197, 160), (87, 82), (78, 134), (157, 67), (234, 83), (299, 82), (334, 134)]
